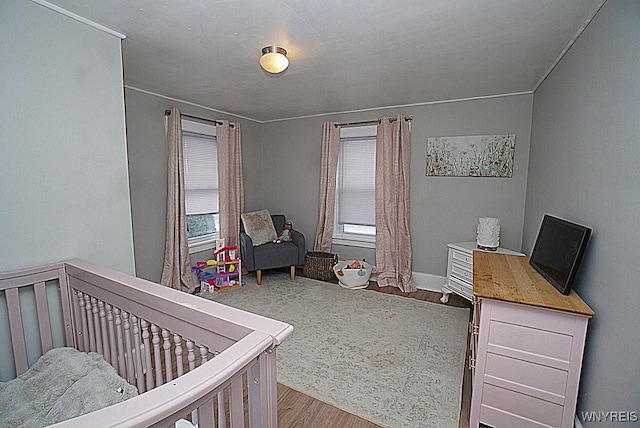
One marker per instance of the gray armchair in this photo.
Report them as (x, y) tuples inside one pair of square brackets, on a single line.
[(272, 255)]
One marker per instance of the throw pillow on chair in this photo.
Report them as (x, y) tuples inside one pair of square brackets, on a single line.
[(259, 226)]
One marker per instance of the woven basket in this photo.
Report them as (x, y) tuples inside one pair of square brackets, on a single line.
[(317, 265)]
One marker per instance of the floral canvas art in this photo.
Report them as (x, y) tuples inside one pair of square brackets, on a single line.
[(471, 156)]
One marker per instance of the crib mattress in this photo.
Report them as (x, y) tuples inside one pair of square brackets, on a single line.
[(64, 383)]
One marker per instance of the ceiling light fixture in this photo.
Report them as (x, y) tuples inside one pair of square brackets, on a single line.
[(274, 59)]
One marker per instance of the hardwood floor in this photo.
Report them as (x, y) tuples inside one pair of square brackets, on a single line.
[(296, 409)]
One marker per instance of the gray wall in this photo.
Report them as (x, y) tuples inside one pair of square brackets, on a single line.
[(443, 209), (585, 149), (64, 189), (147, 147), (281, 162)]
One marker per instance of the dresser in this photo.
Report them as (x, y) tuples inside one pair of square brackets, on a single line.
[(460, 269), (527, 343)]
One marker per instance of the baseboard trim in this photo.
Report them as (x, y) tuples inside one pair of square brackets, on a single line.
[(424, 281), (429, 282)]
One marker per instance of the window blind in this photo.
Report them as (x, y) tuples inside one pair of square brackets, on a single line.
[(201, 173), (356, 181)]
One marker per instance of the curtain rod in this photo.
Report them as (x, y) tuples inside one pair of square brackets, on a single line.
[(369, 122), (217, 122)]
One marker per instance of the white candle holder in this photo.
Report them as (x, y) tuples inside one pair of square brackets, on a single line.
[(488, 237)]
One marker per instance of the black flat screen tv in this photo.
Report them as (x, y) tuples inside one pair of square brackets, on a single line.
[(558, 251)]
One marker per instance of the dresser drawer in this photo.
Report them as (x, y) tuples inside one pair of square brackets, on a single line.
[(530, 344), (463, 288), (462, 272), (535, 380), (539, 318), (505, 408), (461, 257)]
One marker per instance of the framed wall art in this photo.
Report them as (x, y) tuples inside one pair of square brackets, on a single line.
[(471, 156)]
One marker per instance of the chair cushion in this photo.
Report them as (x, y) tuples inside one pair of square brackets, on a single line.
[(259, 226), (270, 255)]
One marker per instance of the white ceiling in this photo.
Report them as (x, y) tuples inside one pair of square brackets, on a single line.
[(345, 54)]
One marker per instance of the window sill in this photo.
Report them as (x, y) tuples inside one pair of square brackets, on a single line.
[(204, 245), (354, 240)]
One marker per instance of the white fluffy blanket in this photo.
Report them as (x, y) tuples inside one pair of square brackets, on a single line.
[(62, 384)]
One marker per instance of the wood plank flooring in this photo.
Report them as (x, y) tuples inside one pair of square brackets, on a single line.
[(296, 409)]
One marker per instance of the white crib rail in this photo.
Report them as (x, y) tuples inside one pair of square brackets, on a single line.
[(198, 391), (36, 279), (187, 353)]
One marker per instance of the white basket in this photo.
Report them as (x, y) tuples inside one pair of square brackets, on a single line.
[(352, 278)]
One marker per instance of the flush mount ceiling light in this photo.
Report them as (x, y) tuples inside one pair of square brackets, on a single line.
[(274, 59)]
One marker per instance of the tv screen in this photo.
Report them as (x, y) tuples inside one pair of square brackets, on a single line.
[(558, 250)]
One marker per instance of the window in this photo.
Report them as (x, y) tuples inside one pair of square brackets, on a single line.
[(201, 184), (355, 187)]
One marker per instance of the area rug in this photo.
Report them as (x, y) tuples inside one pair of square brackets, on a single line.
[(395, 361)]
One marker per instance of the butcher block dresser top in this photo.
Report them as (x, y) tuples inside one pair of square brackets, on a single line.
[(511, 278)]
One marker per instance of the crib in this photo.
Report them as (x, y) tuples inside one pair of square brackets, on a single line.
[(190, 358)]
